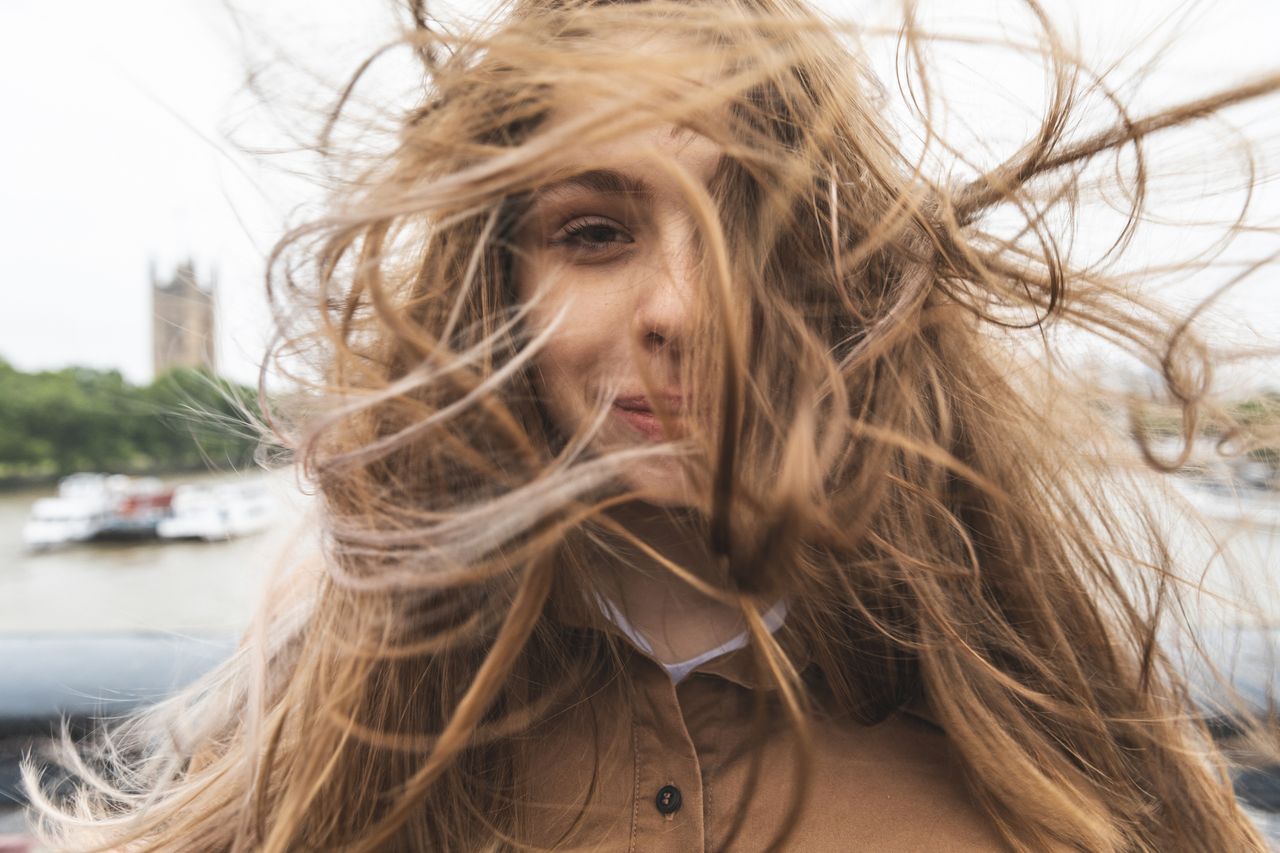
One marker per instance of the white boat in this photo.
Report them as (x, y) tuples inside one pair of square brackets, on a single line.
[(58, 521), (220, 511), (101, 506), (97, 506)]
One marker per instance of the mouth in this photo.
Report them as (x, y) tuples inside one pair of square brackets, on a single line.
[(637, 411)]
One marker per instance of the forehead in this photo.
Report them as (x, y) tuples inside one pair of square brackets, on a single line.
[(648, 162)]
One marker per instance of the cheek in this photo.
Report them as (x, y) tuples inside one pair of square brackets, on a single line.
[(573, 365), (564, 368)]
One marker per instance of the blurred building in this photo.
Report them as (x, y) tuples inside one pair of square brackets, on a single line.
[(182, 321)]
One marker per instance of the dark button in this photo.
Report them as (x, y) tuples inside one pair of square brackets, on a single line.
[(668, 799)]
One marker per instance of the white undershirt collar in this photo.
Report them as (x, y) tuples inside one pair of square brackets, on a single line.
[(772, 619)]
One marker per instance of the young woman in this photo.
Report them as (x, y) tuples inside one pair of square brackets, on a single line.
[(688, 483)]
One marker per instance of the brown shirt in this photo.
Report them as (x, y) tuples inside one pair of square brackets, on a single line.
[(669, 769)]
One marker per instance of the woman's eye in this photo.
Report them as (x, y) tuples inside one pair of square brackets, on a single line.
[(592, 236)]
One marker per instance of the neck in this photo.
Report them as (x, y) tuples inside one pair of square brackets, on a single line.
[(677, 619)]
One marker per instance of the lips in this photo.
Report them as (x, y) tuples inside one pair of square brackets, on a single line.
[(637, 412)]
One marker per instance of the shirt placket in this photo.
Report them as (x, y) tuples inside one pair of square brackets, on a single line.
[(668, 811)]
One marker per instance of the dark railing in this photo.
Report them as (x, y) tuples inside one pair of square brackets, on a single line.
[(83, 678)]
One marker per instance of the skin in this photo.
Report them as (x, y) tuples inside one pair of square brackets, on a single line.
[(611, 246)]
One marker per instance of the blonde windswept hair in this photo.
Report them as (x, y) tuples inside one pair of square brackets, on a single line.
[(887, 451)]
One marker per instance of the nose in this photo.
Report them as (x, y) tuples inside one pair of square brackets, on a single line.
[(664, 307)]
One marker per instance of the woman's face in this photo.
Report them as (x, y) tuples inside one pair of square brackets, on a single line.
[(611, 247)]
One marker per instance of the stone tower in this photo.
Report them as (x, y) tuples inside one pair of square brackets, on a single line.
[(182, 322)]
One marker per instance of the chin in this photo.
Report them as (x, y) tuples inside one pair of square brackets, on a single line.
[(661, 483)]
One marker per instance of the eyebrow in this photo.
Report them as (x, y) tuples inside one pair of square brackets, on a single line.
[(597, 180)]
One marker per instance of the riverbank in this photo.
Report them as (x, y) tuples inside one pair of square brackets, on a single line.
[(47, 483)]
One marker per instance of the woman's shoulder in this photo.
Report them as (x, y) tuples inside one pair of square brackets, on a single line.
[(898, 784)]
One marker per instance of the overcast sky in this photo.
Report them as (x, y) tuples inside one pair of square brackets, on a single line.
[(123, 125)]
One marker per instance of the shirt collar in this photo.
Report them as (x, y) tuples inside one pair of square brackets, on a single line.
[(735, 665), (772, 618), (739, 667)]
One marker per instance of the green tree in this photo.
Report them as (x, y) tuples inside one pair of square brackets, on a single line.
[(78, 419)]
